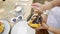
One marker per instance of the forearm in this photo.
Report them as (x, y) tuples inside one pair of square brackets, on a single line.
[(50, 5), (54, 30)]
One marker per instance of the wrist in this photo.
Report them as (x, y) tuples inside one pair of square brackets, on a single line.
[(47, 27), (47, 6)]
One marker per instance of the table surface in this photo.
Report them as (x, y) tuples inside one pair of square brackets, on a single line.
[(9, 5)]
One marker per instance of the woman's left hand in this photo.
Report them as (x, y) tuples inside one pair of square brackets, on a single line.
[(44, 20)]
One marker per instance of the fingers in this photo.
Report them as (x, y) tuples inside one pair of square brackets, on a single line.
[(36, 6), (45, 26), (34, 16)]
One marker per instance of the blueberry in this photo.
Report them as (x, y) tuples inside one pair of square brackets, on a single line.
[(20, 17), (14, 20)]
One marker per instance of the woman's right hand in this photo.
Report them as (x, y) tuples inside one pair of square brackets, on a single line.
[(37, 7)]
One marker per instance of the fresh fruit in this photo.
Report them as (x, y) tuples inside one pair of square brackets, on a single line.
[(34, 25), (1, 27)]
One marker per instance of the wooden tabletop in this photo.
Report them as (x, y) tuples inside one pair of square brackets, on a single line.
[(9, 5)]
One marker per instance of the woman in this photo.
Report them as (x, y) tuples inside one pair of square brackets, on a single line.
[(53, 22)]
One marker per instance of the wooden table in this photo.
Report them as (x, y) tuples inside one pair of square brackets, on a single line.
[(9, 5)]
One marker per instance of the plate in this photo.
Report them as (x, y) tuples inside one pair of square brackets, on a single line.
[(7, 27), (19, 28), (22, 28)]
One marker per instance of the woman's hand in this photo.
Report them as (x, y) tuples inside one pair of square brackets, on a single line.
[(44, 20), (37, 7)]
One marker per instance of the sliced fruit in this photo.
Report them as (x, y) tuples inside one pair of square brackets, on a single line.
[(1, 27)]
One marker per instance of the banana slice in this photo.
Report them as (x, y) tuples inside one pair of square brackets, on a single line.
[(34, 25), (1, 27)]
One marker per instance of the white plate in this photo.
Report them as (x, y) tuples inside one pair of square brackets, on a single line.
[(19, 28), (7, 27), (22, 28)]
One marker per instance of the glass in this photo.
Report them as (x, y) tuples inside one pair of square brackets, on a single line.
[(35, 21)]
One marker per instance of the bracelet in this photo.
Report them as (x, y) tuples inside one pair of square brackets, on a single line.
[(46, 12)]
